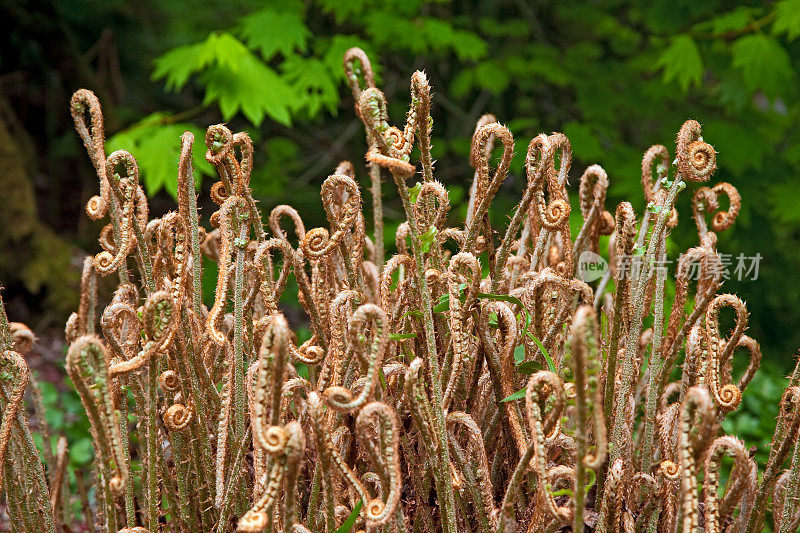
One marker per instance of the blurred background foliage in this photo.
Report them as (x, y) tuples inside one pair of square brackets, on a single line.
[(614, 75)]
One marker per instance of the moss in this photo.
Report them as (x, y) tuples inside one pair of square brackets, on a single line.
[(32, 256)]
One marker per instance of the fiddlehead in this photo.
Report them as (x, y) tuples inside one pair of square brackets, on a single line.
[(596, 221), (287, 211), (544, 386), (656, 153), (718, 351), (724, 219), (755, 360), (738, 481), (83, 321), (382, 443), (462, 266), (708, 283), (696, 159), (786, 434), (160, 320), (697, 429), (178, 416), (174, 248), (328, 450), (22, 338), (270, 288), (554, 214), (340, 309), (706, 201), (426, 216), (295, 451), (87, 367), (584, 353), (168, 381), (486, 183), (122, 329), (93, 137), (220, 143), (358, 69), (389, 147), (501, 365), (269, 377), (420, 115), (341, 398), (478, 455), (488, 146), (613, 497), (105, 262), (391, 300), (536, 164), (286, 455), (14, 364), (623, 246), (318, 243), (227, 213)]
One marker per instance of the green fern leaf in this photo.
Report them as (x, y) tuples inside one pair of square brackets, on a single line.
[(681, 61)]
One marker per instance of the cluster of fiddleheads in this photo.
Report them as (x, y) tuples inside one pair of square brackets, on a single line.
[(471, 381)]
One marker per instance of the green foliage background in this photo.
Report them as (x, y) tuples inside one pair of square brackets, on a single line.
[(614, 75)]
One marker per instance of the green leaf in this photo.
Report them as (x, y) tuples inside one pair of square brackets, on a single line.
[(783, 202), (550, 364), (311, 84), (401, 336), (516, 396), (423, 35), (347, 525), (501, 298), (224, 50), (441, 34), (219, 49), (427, 238), (342, 10), (529, 367), (592, 479), (527, 322), (177, 65), (253, 88), (81, 452), (519, 354), (681, 61), (764, 63), (414, 191), (271, 31), (468, 45), (734, 20), (787, 19), (155, 144), (443, 304), (231, 75)]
